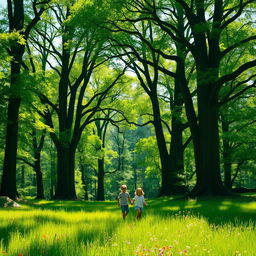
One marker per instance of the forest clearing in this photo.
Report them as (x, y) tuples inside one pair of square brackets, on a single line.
[(169, 227), (104, 97)]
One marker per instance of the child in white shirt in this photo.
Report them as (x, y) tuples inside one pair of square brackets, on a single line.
[(139, 202)]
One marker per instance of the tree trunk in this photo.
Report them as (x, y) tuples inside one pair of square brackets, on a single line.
[(163, 153), (8, 185), (65, 187), (190, 113), (182, 87), (209, 182), (39, 176), (176, 147), (101, 174), (53, 171)]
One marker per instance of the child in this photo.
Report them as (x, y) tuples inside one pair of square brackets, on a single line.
[(139, 202), (123, 200)]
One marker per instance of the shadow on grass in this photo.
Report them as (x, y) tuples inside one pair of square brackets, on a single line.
[(217, 210), (8, 230), (83, 230), (71, 206), (69, 245)]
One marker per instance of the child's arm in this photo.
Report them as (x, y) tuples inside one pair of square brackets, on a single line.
[(144, 202), (130, 200)]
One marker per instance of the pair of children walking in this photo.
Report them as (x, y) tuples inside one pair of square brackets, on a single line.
[(124, 199)]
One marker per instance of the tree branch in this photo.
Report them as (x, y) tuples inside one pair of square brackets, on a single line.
[(236, 73), (26, 161), (232, 47)]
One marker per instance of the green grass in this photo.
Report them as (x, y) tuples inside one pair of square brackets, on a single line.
[(168, 227)]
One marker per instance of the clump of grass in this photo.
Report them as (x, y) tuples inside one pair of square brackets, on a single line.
[(167, 228)]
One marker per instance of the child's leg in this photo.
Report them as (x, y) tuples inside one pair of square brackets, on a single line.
[(125, 211), (139, 213)]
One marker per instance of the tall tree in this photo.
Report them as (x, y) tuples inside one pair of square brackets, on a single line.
[(16, 14), (147, 63), (79, 53), (208, 22)]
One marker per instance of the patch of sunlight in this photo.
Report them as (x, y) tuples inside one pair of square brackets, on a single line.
[(223, 207), (227, 203), (45, 202), (60, 204), (190, 206), (250, 194), (170, 208), (250, 206)]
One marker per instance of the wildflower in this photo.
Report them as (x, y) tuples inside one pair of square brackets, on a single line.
[(176, 242), (21, 254)]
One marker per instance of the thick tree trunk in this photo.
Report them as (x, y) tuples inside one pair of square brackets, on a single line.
[(189, 107), (16, 22), (209, 182), (176, 160), (163, 152), (8, 184), (176, 147), (101, 174), (65, 187)]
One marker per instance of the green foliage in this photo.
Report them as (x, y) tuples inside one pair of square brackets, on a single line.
[(148, 156)]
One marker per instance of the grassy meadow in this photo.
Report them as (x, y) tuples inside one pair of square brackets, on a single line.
[(221, 227)]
